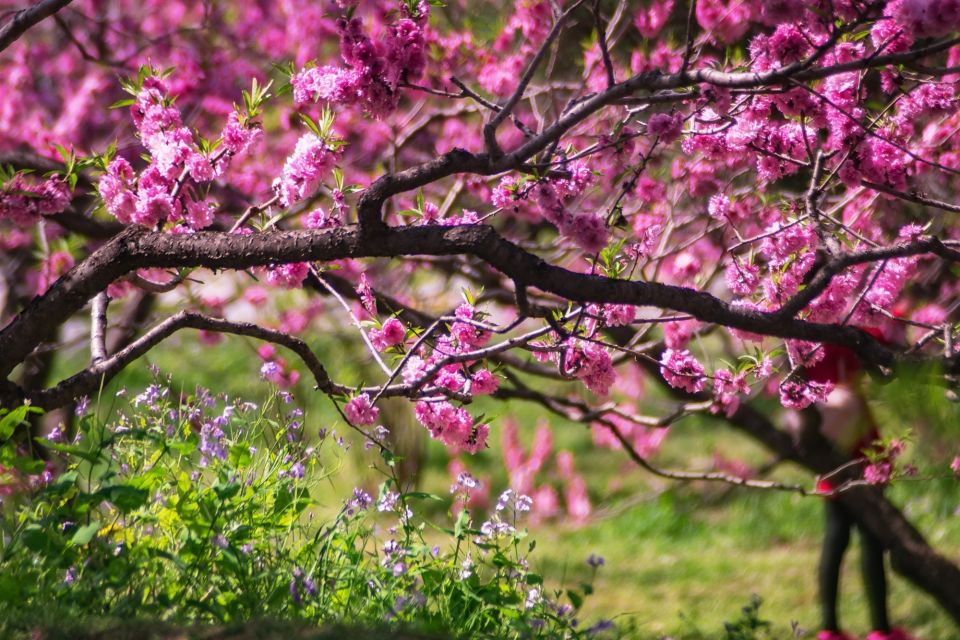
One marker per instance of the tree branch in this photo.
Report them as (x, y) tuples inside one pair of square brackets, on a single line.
[(25, 18)]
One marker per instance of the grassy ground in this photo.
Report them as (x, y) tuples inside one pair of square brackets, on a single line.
[(680, 560)]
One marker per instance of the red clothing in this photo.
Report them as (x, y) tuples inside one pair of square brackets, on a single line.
[(857, 433)]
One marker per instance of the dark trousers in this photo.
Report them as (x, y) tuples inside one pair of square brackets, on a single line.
[(835, 541)]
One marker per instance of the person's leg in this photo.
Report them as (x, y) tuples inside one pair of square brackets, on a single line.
[(874, 579), (835, 540)]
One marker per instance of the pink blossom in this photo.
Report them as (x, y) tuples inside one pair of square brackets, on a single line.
[(651, 20), (575, 494), (665, 126), (360, 411), (367, 298), (288, 276), (677, 334), (390, 334), (878, 472), (777, 11), (742, 279), (800, 395), (726, 21), (414, 370), (452, 425), (727, 387), (587, 230), (719, 206), (682, 371), (309, 163), (484, 383), (925, 18), (955, 466), (200, 214), (320, 219), (592, 364), (618, 315), (237, 138), (115, 190), (200, 167)]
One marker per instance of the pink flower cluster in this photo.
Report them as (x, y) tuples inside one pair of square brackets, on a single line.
[(288, 276), (454, 426), (376, 68), (723, 21), (158, 194), (727, 389), (665, 126), (742, 278), (925, 18), (682, 371), (312, 159), (587, 230), (360, 411), (389, 335), (800, 395), (23, 202), (590, 363), (619, 315), (651, 20)]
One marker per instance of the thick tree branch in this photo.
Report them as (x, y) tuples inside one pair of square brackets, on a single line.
[(25, 18), (137, 248)]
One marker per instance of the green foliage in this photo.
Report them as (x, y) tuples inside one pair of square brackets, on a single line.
[(201, 510), (749, 626)]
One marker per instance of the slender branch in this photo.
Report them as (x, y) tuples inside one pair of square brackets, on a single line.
[(490, 129), (912, 196), (92, 377), (602, 43), (688, 49), (356, 322)]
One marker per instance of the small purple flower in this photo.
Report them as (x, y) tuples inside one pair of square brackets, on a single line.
[(359, 502), (269, 370), (83, 403), (465, 482), (71, 576), (388, 501), (595, 561), (599, 627), (504, 500), (533, 598), (524, 503), (295, 592), (220, 541)]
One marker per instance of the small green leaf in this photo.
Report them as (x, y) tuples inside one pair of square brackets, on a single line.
[(85, 534)]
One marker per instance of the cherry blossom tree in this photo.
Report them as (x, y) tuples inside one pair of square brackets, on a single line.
[(628, 194)]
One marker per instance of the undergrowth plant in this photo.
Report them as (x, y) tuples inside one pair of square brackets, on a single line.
[(198, 508)]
